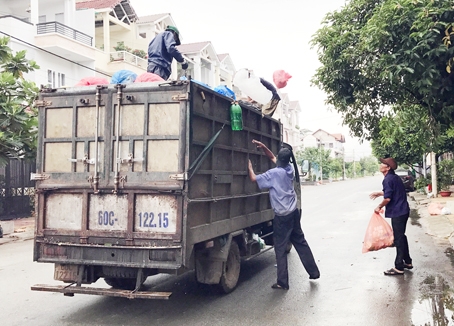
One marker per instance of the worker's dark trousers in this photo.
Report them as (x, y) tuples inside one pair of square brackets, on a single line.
[(288, 229), (158, 70), (399, 225)]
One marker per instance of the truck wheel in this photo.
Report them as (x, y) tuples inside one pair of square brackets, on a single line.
[(121, 283), (231, 270), (288, 248)]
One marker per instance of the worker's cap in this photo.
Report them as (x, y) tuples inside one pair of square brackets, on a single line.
[(283, 157), (177, 33), (174, 29), (389, 161)]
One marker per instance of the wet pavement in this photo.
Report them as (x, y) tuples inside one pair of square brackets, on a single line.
[(354, 284)]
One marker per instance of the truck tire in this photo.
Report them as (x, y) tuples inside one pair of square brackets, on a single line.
[(231, 269), (121, 283)]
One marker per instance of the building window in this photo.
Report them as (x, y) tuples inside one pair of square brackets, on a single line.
[(55, 79), (331, 145)]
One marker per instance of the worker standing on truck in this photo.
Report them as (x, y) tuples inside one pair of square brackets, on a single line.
[(161, 51), (287, 218)]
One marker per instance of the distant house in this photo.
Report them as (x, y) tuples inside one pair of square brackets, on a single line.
[(333, 142)]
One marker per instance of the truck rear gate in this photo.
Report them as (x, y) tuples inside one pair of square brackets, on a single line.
[(130, 178)]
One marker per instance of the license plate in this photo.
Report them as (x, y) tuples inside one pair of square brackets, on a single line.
[(63, 272), (156, 213)]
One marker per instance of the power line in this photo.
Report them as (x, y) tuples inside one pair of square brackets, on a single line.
[(51, 53)]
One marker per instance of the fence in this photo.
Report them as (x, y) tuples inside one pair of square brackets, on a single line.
[(16, 189)]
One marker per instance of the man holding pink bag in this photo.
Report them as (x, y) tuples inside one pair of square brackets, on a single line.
[(397, 208)]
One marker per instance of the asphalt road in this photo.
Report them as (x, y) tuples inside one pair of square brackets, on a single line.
[(352, 289)]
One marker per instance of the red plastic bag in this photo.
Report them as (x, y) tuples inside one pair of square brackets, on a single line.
[(148, 77), (87, 81), (379, 234), (280, 78)]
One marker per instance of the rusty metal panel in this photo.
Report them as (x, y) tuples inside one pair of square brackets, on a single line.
[(108, 212), (164, 119), (63, 211), (163, 155), (132, 120), (156, 213), (59, 123), (86, 121), (56, 157)]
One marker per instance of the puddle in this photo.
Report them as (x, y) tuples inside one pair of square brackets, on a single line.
[(435, 306), (414, 217)]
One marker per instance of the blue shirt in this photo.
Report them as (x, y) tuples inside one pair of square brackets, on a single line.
[(279, 181), (394, 189), (162, 49)]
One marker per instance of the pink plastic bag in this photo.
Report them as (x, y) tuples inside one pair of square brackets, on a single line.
[(148, 77), (379, 234), (87, 81), (435, 208), (280, 78)]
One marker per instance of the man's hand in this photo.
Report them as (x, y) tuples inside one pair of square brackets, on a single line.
[(184, 65), (375, 195), (259, 144)]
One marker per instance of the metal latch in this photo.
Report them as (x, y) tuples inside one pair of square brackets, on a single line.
[(42, 103), (83, 160), (180, 97), (179, 176), (38, 176), (130, 159)]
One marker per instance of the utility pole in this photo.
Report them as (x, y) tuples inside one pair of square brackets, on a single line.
[(354, 165), (321, 168), (433, 167)]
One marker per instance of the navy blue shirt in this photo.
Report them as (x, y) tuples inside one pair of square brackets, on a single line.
[(162, 49), (394, 189)]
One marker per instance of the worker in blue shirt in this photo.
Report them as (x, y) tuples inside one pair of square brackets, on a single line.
[(161, 51), (397, 208), (287, 219)]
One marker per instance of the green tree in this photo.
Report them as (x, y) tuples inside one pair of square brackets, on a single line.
[(18, 116), (369, 165), (376, 54), (316, 156), (336, 168)]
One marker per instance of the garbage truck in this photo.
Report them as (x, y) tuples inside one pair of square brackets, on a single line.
[(141, 179)]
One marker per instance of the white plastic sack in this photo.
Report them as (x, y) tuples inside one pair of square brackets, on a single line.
[(445, 211), (251, 86)]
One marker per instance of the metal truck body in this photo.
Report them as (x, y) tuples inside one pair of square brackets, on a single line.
[(136, 180)]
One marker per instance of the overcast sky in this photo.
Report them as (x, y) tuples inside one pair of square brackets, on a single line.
[(263, 35)]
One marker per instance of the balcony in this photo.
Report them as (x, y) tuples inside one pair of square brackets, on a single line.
[(65, 41)]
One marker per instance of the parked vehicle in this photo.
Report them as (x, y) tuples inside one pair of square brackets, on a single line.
[(407, 178), (149, 178)]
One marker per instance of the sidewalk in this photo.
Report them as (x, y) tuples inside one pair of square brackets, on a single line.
[(17, 230), (437, 226)]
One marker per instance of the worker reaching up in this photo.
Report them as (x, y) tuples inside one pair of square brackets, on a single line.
[(162, 49)]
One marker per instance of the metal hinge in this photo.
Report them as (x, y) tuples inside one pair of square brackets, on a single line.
[(130, 159), (39, 176), (179, 176), (42, 103), (84, 160), (180, 97)]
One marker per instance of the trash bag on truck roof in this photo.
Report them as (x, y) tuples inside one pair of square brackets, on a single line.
[(251, 86), (123, 77), (148, 77), (224, 90), (87, 81)]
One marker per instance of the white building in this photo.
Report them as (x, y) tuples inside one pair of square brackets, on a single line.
[(55, 35), (333, 142)]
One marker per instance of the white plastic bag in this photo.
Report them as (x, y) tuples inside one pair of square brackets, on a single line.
[(251, 86)]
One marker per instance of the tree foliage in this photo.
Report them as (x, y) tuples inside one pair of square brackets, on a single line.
[(377, 54), (18, 116)]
